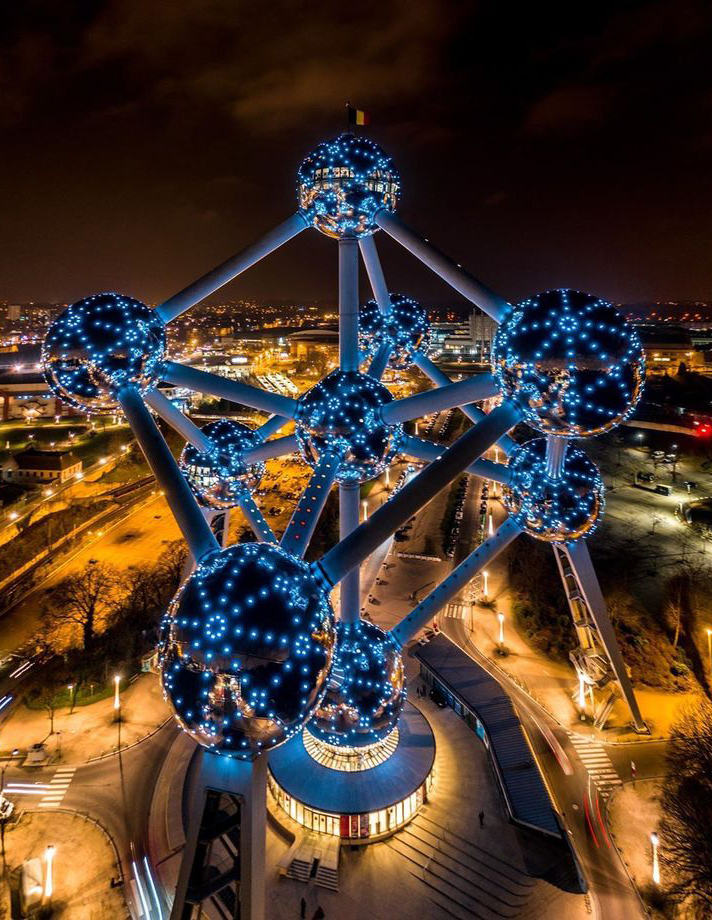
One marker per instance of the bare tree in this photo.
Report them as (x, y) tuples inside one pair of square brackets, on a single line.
[(84, 599), (686, 805), (171, 563)]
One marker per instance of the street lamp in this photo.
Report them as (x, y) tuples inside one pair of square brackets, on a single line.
[(582, 692), (485, 582), (49, 859), (364, 505), (500, 617), (117, 701), (490, 527), (655, 840), (72, 697)]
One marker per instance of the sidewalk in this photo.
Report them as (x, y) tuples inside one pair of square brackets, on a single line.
[(633, 815), (90, 731)]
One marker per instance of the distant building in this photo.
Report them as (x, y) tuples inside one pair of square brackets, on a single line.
[(471, 338), (667, 347), (14, 312), (32, 466)]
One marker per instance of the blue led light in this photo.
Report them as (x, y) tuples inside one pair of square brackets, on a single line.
[(246, 649), (99, 345), (220, 478), (558, 510), (571, 360), (341, 415), (405, 327), (366, 690), (343, 183)]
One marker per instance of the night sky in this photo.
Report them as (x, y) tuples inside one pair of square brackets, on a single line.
[(542, 145)]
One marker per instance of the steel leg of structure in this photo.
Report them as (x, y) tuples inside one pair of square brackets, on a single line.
[(348, 305), (183, 376), (470, 288), (360, 543), (441, 379), (268, 450), (271, 426), (177, 420), (226, 271), (350, 587), (380, 361), (481, 386), (582, 567), (256, 520), (306, 515), (242, 785), (181, 501), (369, 253), (455, 581), (420, 449)]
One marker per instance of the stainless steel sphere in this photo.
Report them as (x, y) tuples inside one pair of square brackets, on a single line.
[(560, 509), (100, 345), (366, 689), (571, 360), (246, 650), (343, 183), (341, 415), (220, 478)]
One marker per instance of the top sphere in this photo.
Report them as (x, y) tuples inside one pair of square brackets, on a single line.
[(220, 478), (343, 183), (247, 648), (99, 345), (571, 360)]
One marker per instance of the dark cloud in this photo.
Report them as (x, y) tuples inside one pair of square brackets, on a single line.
[(144, 142)]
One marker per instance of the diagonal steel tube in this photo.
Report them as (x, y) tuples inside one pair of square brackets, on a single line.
[(177, 420), (268, 450), (271, 426), (306, 515), (256, 520), (231, 268), (420, 449), (360, 543), (455, 581), (380, 360), (193, 526), (369, 253), (481, 386), (233, 390), (441, 379), (456, 276)]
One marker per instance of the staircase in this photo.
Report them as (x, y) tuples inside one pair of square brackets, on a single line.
[(315, 854), (463, 880)]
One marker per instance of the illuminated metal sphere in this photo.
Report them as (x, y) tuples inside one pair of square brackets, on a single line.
[(343, 183), (100, 345), (560, 509), (574, 363), (341, 414), (366, 690), (220, 477), (407, 328), (370, 328), (247, 648)]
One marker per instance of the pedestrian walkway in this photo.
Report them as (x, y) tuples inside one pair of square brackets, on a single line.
[(594, 757), (58, 786), (456, 611)]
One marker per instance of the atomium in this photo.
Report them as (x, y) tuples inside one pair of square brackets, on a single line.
[(100, 345), (344, 183), (247, 648), (556, 509), (571, 360), (405, 328), (365, 692), (220, 478), (341, 415)]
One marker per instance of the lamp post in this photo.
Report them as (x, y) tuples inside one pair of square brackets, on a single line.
[(490, 526), (500, 617), (49, 884), (655, 840), (72, 697), (364, 505), (485, 584), (582, 693)]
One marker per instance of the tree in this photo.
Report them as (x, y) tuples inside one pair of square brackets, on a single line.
[(686, 805), (85, 599), (171, 563)]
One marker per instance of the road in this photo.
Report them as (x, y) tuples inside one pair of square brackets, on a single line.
[(115, 791)]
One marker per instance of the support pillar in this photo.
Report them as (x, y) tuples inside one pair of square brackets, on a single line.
[(350, 587)]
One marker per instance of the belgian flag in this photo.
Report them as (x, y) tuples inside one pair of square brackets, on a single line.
[(357, 117)]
